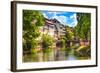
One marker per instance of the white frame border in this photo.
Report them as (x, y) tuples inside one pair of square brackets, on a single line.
[(76, 63)]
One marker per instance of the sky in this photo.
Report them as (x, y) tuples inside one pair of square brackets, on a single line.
[(66, 18)]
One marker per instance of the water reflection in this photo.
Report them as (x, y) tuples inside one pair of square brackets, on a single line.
[(53, 55)]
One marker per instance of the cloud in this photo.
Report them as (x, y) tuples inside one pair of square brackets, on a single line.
[(54, 15), (62, 17), (49, 14), (74, 20), (45, 15)]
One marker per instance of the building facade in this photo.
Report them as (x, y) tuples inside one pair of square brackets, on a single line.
[(53, 28)]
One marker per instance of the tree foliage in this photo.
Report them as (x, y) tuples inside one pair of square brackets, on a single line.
[(32, 20), (47, 41), (69, 33), (83, 29)]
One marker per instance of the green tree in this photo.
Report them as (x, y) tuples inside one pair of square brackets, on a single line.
[(83, 29), (63, 41), (69, 33), (47, 42), (32, 20)]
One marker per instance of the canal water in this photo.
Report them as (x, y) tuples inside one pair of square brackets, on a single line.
[(54, 55)]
